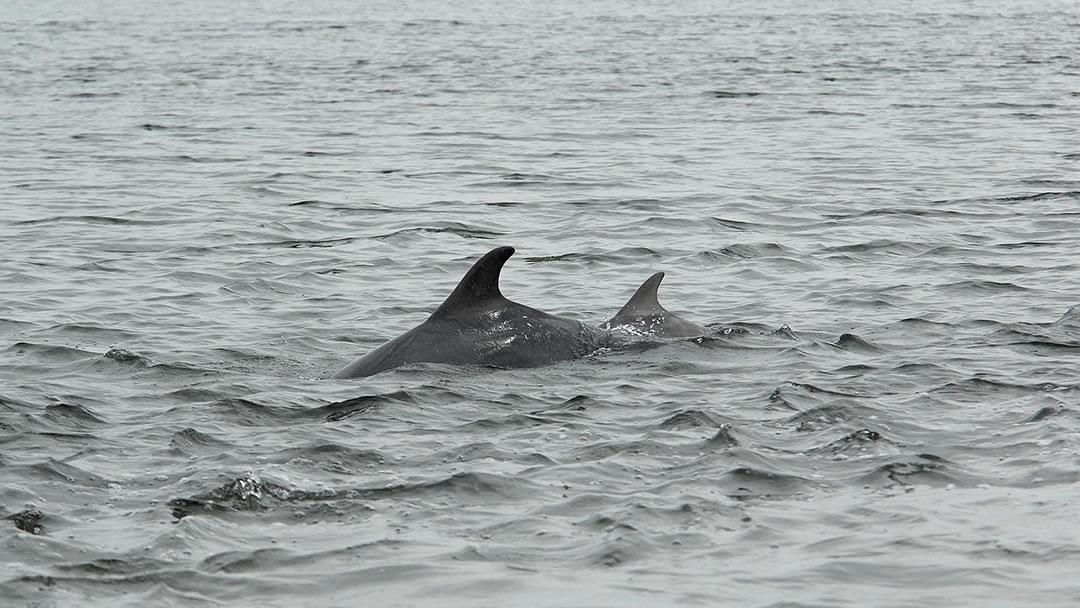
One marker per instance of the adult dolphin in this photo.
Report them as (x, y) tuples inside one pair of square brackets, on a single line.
[(644, 316), (477, 325)]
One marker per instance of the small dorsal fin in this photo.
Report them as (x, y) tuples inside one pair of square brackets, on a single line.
[(644, 301), (644, 316), (480, 285)]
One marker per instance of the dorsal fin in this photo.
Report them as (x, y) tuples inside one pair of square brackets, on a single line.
[(644, 316), (644, 301), (480, 285)]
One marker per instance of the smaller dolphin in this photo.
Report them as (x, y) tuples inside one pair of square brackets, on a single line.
[(477, 325), (644, 316)]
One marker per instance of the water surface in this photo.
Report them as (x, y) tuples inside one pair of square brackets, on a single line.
[(208, 209)]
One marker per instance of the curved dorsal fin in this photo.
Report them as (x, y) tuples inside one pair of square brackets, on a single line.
[(644, 301), (480, 285)]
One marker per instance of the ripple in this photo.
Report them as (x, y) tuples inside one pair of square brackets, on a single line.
[(28, 520)]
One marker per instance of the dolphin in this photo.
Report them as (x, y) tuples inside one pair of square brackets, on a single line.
[(477, 325), (644, 316)]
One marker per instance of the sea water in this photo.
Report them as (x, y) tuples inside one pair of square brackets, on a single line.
[(209, 208)]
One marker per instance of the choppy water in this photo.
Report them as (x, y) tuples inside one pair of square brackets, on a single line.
[(207, 210)]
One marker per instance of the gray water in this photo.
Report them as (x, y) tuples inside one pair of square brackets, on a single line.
[(209, 208)]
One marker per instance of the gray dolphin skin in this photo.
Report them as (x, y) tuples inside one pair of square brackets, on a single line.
[(477, 325), (644, 316)]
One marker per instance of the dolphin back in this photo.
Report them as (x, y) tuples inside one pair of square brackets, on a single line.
[(477, 325)]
